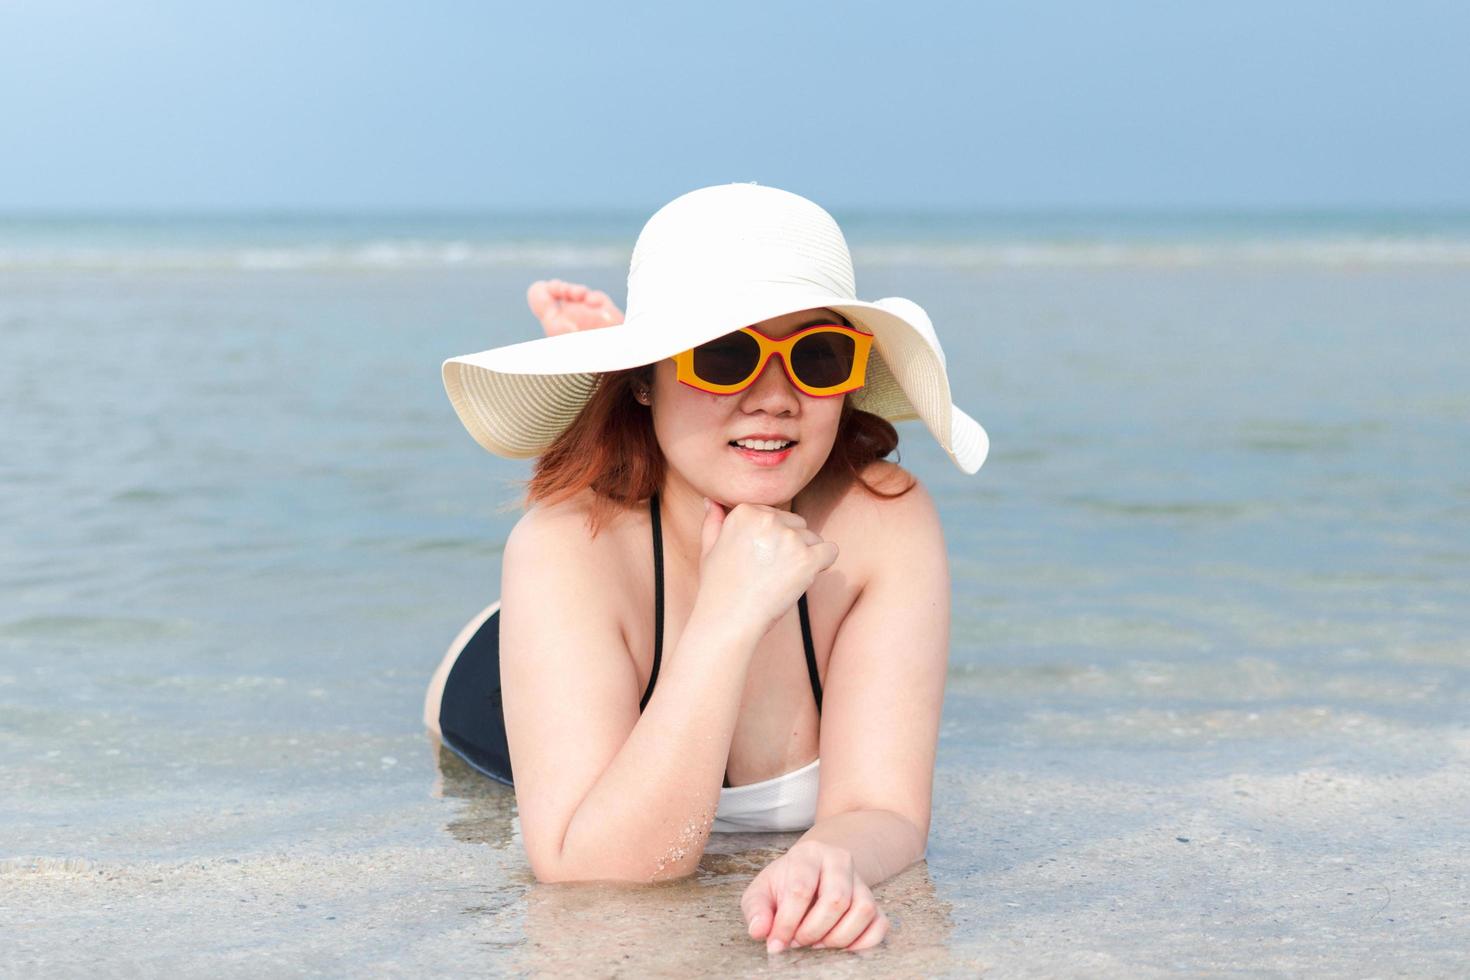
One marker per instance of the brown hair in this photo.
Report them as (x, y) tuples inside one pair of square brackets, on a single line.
[(611, 448)]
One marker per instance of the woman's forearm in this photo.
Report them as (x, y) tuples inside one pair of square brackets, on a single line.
[(882, 843), (649, 814)]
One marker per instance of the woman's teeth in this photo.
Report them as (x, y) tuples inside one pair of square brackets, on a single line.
[(761, 444)]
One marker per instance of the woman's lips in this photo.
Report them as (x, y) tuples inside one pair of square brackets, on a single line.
[(764, 457)]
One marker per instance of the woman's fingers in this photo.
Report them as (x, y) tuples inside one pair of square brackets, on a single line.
[(812, 896), (758, 906), (826, 551), (789, 518), (833, 899), (873, 935), (861, 913), (794, 896)]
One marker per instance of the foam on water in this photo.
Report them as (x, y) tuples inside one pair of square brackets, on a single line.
[(369, 243), (411, 255)]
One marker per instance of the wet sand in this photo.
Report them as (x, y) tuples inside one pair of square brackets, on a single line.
[(1041, 863)]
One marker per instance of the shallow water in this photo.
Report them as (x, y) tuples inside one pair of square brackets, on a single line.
[(1209, 698)]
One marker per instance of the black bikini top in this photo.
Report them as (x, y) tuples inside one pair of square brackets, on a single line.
[(658, 617)]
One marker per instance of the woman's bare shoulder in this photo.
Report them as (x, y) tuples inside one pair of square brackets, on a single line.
[(875, 528), (568, 595), (901, 497), (558, 538), (568, 523)]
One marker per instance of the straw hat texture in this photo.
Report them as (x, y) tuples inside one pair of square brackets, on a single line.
[(707, 263)]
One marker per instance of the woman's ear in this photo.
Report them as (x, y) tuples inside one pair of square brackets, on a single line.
[(643, 385)]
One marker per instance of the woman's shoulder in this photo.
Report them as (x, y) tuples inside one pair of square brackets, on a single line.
[(561, 535), (883, 491), (879, 525)]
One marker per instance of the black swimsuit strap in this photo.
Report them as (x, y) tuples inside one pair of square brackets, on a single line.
[(811, 651), (658, 599), (658, 617)]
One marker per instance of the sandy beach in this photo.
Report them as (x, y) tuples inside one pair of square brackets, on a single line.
[(1332, 870)]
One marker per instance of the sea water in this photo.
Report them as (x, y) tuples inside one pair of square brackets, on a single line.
[(1208, 705)]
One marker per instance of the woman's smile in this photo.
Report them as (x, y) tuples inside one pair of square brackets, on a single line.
[(764, 457), (764, 448)]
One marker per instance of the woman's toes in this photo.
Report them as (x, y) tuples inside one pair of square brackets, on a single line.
[(538, 297)]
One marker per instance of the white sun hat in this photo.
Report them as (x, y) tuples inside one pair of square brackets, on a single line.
[(706, 264)]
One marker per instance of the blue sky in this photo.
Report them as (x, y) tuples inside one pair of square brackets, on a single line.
[(457, 105)]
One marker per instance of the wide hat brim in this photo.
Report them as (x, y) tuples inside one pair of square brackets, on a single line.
[(515, 400)]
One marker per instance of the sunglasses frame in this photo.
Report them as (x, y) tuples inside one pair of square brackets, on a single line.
[(770, 346)]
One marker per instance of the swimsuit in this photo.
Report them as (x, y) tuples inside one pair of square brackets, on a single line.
[(472, 720)]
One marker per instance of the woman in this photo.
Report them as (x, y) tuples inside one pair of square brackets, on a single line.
[(719, 579)]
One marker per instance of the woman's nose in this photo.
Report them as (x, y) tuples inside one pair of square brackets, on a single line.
[(772, 390)]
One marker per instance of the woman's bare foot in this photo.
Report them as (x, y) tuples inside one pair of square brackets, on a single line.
[(564, 307)]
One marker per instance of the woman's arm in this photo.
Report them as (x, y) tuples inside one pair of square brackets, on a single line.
[(885, 681), (880, 729), (604, 792)]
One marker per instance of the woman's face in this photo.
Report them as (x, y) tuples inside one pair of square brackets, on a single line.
[(696, 429)]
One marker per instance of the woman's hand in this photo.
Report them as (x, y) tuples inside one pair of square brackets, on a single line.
[(566, 307), (812, 896), (756, 561)]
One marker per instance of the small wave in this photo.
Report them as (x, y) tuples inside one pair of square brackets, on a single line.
[(473, 546), (141, 495), (1186, 727), (48, 866), (1181, 509), (370, 256), (1326, 252), (418, 254), (196, 684), (110, 628), (1303, 437)]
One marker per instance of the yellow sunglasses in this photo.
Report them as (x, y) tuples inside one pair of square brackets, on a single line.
[(822, 360)]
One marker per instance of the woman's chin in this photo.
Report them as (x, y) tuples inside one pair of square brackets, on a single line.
[(770, 489)]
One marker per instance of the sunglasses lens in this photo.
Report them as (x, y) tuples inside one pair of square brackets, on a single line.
[(728, 360), (823, 360)]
